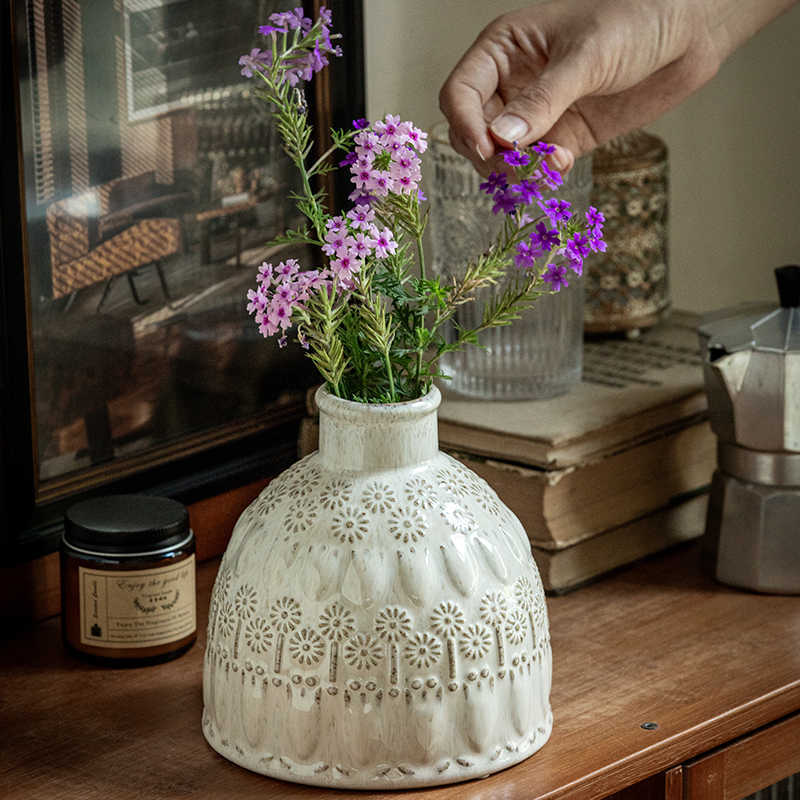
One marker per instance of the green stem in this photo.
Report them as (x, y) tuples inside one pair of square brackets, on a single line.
[(420, 256), (332, 149), (418, 372), (388, 364)]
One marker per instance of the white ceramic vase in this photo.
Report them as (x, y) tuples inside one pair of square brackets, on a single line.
[(378, 620)]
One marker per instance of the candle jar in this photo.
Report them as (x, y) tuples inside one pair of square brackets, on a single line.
[(128, 580)]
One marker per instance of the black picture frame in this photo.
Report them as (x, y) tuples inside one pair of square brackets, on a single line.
[(31, 527)]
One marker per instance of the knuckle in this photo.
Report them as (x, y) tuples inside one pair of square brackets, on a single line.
[(539, 98)]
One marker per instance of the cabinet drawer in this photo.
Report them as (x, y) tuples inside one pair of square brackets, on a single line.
[(744, 767)]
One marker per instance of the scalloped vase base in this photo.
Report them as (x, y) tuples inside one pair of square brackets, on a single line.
[(378, 619), (383, 775)]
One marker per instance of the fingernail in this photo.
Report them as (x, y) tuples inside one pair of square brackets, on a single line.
[(481, 156), (509, 127), (562, 159)]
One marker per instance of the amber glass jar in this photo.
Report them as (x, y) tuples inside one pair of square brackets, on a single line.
[(128, 580)]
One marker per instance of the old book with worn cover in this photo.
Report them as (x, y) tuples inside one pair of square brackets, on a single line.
[(560, 507), (566, 569), (631, 389)]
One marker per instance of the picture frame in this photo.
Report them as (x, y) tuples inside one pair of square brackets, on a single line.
[(133, 222)]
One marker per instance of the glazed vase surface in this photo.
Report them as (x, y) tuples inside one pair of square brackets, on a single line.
[(377, 620)]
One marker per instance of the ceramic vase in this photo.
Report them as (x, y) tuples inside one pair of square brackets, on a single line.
[(378, 620)]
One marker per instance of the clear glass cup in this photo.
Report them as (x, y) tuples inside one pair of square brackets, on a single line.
[(541, 354)]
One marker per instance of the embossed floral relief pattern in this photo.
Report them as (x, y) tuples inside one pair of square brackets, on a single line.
[(309, 502), (390, 644), (322, 522)]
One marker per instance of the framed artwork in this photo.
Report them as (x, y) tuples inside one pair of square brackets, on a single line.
[(147, 187)]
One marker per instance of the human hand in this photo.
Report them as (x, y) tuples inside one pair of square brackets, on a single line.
[(576, 73)]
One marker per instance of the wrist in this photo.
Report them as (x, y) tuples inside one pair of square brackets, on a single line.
[(730, 23)]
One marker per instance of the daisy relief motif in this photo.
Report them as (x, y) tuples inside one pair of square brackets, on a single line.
[(420, 494), (423, 650), (516, 626), (257, 634), (306, 647), (362, 651), (299, 519), (475, 641), (378, 498), (408, 524), (336, 493), (350, 524), (458, 518)]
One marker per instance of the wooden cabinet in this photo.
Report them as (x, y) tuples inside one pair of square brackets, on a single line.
[(715, 670), (746, 766)]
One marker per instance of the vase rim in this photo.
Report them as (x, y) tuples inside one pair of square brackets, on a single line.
[(351, 410)]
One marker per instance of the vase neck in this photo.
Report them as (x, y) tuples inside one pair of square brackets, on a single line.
[(359, 436)]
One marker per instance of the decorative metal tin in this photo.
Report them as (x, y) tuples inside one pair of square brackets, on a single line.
[(627, 287)]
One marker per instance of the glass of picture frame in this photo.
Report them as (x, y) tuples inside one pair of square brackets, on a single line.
[(151, 183)]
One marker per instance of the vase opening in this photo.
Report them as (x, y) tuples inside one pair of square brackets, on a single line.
[(355, 437)]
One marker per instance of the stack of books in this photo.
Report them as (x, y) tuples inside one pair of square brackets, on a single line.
[(615, 470)]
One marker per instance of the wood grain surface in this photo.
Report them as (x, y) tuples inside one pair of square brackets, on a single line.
[(658, 642), (747, 765)]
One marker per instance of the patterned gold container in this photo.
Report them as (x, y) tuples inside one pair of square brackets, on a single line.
[(627, 287)]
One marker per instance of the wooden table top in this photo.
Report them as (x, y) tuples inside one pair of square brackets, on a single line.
[(657, 642)]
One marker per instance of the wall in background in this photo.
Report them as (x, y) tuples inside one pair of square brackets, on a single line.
[(734, 146)]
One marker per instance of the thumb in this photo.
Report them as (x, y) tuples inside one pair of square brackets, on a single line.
[(528, 115)]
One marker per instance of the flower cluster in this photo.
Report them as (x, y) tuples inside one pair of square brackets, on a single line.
[(385, 159), (557, 232), (374, 323), (309, 53), (280, 292), (352, 239)]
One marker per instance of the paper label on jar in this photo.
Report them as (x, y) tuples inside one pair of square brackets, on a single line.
[(137, 608)]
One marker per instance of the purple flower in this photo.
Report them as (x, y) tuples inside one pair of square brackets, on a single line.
[(495, 181), (312, 56), (545, 238), (544, 149), (516, 158), (349, 159), (594, 217), (556, 210), (360, 123), (552, 177), (506, 201), (253, 61), (575, 261), (527, 190), (359, 198), (596, 242), (526, 255), (578, 247), (556, 276)]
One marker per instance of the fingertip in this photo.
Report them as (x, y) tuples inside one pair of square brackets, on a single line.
[(562, 159), (509, 129)]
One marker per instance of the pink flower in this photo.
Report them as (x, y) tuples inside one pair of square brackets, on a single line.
[(288, 268), (361, 217), (362, 245), (385, 243), (264, 274), (335, 224)]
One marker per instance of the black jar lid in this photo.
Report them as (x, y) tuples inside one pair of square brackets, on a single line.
[(126, 525)]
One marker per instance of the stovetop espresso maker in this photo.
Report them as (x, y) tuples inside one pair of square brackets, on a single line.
[(752, 378)]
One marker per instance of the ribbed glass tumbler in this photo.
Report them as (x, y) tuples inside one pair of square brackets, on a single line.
[(541, 354)]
